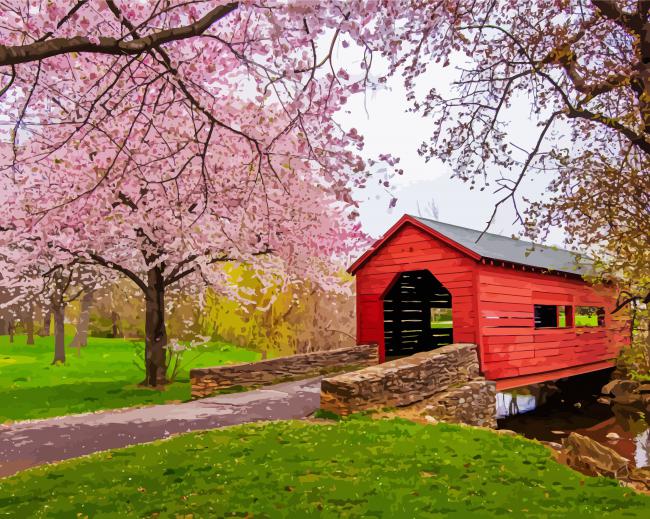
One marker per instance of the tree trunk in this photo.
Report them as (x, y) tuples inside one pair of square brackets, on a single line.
[(647, 338), (12, 329), (155, 332), (29, 323), (47, 321), (80, 339), (116, 331), (59, 339)]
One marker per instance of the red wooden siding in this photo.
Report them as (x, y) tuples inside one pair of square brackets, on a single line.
[(492, 306), (407, 250), (511, 346)]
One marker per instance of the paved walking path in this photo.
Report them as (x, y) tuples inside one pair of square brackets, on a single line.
[(31, 443)]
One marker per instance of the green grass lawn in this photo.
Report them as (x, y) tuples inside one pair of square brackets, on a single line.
[(586, 320), (442, 324), (354, 468), (105, 376)]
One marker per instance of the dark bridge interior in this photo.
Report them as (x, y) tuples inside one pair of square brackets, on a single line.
[(417, 315)]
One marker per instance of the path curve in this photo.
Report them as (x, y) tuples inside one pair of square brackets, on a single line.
[(36, 442)]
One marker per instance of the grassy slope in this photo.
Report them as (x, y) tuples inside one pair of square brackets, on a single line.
[(355, 468), (103, 377)]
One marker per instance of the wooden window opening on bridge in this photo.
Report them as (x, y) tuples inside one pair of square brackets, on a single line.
[(590, 316), (553, 316)]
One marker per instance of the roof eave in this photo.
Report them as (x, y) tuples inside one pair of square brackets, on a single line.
[(541, 269), (352, 269)]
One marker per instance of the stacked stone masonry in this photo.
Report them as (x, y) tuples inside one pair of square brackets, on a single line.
[(402, 381), (208, 381), (472, 403), (444, 384)]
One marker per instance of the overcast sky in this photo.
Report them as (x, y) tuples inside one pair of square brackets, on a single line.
[(389, 128)]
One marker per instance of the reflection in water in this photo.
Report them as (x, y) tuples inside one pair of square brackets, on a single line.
[(642, 448), (572, 406), (509, 404)]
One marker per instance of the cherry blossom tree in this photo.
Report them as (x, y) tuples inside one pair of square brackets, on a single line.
[(160, 140), (32, 273)]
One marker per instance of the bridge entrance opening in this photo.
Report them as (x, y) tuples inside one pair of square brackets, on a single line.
[(417, 315)]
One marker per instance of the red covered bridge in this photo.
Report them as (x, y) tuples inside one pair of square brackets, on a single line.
[(427, 283)]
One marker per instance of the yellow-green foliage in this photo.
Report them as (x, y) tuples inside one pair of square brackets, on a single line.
[(275, 320), (124, 298), (183, 316), (281, 320), (635, 360)]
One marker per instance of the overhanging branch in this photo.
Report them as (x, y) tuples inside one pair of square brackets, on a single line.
[(14, 55), (114, 266), (177, 274)]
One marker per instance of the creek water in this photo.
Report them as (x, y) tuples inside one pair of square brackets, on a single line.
[(571, 405)]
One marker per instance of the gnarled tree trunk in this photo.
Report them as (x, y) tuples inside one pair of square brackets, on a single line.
[(80, 340), (58, 311), (155, 332)]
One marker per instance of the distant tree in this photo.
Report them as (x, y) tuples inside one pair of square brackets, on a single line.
[(46, 325), (118, 310), (63, 284), (17, 306), (7, 311), (282, 319), (80, 339), (58, 285), (32, 274), (28, 319)]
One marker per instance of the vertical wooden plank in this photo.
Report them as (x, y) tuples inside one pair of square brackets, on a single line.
[(478, 336)]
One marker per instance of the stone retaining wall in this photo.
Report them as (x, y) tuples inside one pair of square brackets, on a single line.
[(472, 403), (207, 381), (401, 382)]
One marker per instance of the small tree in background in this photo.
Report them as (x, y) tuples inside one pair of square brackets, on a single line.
[(33, 274), (80, 339)]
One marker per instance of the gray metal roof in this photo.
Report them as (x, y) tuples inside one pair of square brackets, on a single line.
[(502, 248)]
